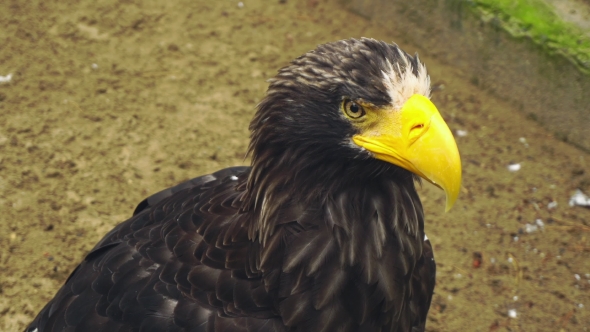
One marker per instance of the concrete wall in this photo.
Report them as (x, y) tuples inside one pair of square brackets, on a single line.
[(547, 87)]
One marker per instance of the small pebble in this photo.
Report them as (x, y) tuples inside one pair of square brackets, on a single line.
[(529, 228), (512, 313), (240, 4), (461, 133), (514, 167), (579, 198), (6, 79)]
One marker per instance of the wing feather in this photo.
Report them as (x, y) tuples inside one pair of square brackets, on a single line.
[(190, 260)]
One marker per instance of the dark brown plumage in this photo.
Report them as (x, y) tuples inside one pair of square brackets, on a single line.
[(317, 235)]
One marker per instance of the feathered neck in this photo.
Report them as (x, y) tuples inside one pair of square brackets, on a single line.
[(308, 178)]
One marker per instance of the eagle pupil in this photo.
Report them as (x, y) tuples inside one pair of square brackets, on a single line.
[(353, 110)]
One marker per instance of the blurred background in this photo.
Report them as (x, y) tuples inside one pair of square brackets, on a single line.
[(105, 102)]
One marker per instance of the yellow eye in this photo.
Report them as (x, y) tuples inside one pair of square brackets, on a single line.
[(352, 109)]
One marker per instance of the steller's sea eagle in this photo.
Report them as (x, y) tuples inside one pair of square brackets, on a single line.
[(323, 232)]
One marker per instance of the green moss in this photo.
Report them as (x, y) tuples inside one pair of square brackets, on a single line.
[(537, 20)]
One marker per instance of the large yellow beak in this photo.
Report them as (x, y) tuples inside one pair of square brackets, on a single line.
[(418, 139)]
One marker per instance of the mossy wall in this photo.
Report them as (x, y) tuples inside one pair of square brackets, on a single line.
[(547, 86)]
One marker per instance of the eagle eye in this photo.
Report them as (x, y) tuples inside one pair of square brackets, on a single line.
[(352, 109)]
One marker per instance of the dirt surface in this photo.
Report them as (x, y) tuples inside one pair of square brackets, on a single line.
[(110, 101), (576, 12)]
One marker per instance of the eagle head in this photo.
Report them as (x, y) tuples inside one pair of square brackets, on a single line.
[(355, 108)]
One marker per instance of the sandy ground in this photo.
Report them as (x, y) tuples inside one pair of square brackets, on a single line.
[(113, 100)]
